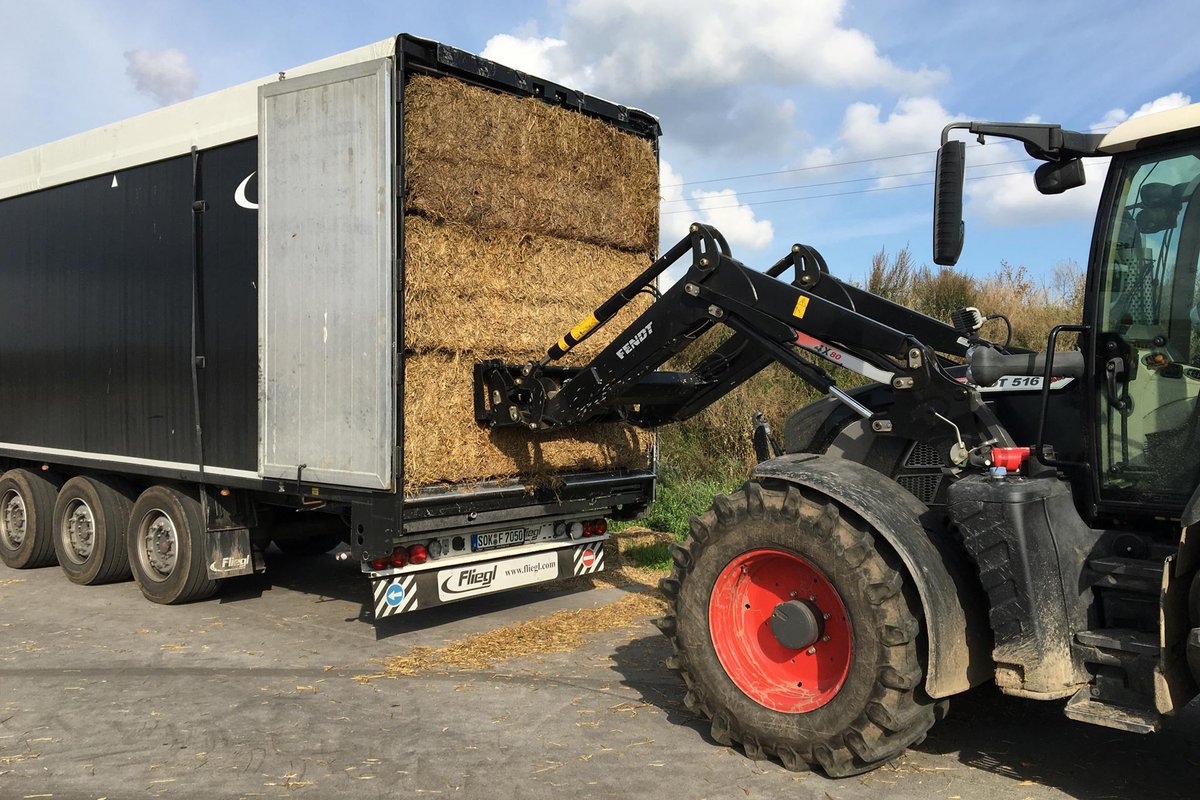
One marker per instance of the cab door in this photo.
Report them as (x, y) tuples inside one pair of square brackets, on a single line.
[(1148, 332)]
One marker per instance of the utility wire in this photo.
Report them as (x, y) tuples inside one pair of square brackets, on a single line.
[(994, 142), (854, 180), (700, 211)]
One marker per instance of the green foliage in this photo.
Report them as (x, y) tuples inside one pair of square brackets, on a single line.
[(678, 500), (651, 556)]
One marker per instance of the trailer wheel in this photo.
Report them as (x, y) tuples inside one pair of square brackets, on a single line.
[(166, 547), (90, 520), (795, 633), (26, 513)]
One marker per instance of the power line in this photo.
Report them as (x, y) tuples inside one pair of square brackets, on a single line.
[(1001, 143), (701, 211), (853, 180), (865, 191)]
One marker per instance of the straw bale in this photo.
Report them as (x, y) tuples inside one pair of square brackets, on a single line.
[(507, 294), (444, 444), (476, 156)]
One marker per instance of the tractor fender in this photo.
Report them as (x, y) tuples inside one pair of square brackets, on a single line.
[(956, 621)]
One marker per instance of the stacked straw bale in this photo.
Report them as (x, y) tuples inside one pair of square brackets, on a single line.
[(520, 218)]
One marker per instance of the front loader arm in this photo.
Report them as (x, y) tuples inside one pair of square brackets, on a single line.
[(772, 321)]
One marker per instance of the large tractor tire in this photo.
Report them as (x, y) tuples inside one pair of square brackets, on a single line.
[(796, 634)]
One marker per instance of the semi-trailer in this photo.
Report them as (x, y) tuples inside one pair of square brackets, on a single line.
[(220, 322)]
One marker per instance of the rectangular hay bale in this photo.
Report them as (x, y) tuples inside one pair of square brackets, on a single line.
[(496, 161), (507, 294), (444, 444)]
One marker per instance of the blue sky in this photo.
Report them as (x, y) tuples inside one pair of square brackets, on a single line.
[(775, 89)]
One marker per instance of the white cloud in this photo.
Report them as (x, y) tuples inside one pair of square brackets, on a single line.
[(998, 193), (1165, 103), (1014, 199), (643, 47), (721, 208), (725, 77), (165, 75), (733, 218), (533, 54)]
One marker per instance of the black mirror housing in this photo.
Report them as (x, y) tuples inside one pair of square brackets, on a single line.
[(1055, 177), (948, 228)]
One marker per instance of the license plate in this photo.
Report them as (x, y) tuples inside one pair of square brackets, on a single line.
[(495, 539)]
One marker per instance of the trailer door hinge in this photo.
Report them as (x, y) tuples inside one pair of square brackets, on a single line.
[(199, 206), (199, 361)]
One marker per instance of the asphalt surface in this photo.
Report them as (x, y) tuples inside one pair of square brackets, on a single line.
[(253, 695)]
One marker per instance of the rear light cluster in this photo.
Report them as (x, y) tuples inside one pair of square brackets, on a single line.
[(590, 527), (402, 556)]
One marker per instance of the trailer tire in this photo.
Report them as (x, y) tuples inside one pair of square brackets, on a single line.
[(26, 519), (763, 551), (167, 549), (91, 516)]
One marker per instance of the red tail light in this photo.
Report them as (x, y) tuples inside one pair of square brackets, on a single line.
[(399, 557), (380, 563), (595, 527), (417, 554)]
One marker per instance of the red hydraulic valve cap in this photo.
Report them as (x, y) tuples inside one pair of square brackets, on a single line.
[(1011, 458)]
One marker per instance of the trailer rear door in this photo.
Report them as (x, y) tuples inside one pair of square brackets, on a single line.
[(326, 285)]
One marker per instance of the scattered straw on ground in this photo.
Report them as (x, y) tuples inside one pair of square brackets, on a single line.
[(560, 632)]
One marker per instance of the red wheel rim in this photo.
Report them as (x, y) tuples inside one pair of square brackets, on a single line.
[(747, 591)]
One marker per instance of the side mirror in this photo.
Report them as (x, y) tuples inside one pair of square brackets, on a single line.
[(1055, 177), (948, 228)]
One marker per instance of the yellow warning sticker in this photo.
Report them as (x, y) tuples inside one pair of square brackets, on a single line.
[(801, 307)]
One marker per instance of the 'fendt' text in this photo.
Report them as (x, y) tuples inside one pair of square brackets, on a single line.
[(637, 339)]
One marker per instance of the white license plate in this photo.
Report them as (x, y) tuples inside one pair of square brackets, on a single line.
[(495, 539)]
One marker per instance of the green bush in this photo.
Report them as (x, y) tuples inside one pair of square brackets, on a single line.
[(650, 556), (678, 500)]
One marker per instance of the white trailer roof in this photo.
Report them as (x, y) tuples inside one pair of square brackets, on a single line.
[(228, 115), (1130, 134)]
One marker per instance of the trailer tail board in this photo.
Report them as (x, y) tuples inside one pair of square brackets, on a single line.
[(436, 585), (326, 300)]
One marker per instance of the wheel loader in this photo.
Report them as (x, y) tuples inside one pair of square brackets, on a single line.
[(974, 513)]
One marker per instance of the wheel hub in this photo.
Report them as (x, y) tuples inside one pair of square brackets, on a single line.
[(13, 520), (159, 545), (797, 624), (80, 530), (780, 630)]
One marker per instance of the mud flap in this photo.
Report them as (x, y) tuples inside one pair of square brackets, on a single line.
[(230, 554)]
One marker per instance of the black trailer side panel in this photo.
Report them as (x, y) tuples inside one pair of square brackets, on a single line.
[(230, 273), (96, 285)]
